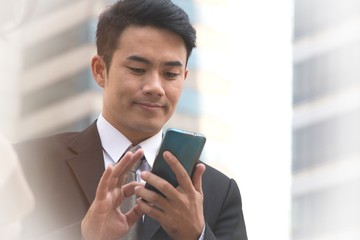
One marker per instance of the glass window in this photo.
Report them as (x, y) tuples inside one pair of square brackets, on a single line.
[(44, 7), (78, 35), (314, 15), (326, 141), (63, 89), (333, 71), (327, 211)]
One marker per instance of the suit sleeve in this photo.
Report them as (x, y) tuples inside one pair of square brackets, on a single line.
[(230, 223)]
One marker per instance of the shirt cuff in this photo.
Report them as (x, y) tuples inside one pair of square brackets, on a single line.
[(202, 234)]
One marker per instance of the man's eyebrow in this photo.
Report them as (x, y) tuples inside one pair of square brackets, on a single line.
[(173, 64), (146, 61), (138, 59)]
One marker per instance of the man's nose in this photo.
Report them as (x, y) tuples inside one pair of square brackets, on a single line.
[(154, 85)]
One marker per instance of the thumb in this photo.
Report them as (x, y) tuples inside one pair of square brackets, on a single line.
[(197, 177)]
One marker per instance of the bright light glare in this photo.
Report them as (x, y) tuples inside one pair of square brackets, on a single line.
[(260, 36)]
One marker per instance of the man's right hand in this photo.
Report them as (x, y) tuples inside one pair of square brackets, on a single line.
[(104, 220)]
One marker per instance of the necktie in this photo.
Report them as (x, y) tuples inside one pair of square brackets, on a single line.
[(130, 202)]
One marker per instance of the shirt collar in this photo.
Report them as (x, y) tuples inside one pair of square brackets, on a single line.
[(115, 143)]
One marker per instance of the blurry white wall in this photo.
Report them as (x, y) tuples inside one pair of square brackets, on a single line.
[(245, 76), (10, 63), (16, 199)]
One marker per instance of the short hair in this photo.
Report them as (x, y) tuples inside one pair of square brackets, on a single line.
[(159, 13)]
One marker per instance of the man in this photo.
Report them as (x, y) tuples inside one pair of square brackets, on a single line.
[(77, 178)]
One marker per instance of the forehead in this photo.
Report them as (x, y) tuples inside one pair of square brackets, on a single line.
[(151, 42)]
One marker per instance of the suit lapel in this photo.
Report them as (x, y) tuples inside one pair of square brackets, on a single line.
[(87, 163)]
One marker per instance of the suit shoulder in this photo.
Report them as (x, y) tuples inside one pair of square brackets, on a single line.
[(60, 137), (213, 174), (216, 181), (42, 145)]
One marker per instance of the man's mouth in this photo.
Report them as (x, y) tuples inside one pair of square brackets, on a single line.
[(150, 106)]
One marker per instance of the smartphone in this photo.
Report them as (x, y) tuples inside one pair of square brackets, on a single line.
[(185, 146)]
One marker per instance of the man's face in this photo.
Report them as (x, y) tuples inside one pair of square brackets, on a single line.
[(144, 81)]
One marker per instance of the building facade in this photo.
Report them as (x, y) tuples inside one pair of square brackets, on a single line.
[(326, 129)]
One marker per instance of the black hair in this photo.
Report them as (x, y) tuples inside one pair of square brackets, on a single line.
[(158, 13)]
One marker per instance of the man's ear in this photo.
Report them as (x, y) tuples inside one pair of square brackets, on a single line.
[(186, 73), (98, 69)]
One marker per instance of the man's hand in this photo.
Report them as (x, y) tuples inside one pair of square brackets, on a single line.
[(104, 220), (180, 213)]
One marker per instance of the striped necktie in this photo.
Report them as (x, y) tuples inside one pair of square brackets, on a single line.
[(129, 203)]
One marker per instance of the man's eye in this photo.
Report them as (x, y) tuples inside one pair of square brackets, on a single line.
[(137, 70), (171, 74)]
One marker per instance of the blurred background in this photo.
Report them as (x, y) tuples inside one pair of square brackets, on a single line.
[(274, 86)]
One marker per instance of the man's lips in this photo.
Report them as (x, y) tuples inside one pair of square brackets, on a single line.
[(151, 106)]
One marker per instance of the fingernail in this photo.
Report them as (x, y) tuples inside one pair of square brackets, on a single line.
[(144, 174), (168, 155)]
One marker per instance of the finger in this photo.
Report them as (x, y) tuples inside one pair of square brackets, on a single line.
[(129, 189), (122, 168), (150, 209), (102, 188), (127, 162), (152, 198), (197, 177), (181, 174), (134, 215), (159, 183), (119, 172)]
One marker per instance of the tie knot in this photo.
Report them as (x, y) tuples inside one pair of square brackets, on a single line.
[(132, 148)]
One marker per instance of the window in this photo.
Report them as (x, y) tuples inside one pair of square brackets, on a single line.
[(63, 89), (326, 141), (333, 71), (314, 15), (78, 35)]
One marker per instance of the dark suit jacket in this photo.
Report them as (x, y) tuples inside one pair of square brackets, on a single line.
[(63, 172)]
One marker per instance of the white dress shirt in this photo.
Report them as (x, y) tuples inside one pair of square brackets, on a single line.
[(114, 143)]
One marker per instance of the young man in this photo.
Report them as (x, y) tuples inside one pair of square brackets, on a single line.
[(77, 178)]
